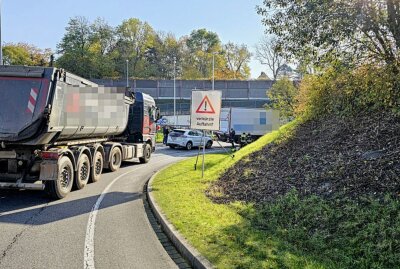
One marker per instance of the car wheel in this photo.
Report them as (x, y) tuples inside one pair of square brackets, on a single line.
[(189, 145), (209, 144)]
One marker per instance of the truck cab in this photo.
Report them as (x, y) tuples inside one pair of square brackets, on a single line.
[(143, 115)]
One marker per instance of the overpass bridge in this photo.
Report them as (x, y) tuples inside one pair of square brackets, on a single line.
[(235, 93)]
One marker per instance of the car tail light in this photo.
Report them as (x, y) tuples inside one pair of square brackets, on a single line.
[(51, 155)]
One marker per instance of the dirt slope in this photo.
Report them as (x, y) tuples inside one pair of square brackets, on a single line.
[(328, 157)]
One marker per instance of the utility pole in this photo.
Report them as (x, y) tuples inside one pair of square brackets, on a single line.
[(213, 67), (175, 119), (127, 73)]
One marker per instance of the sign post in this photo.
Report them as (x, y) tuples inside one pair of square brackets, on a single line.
[(205, 114)]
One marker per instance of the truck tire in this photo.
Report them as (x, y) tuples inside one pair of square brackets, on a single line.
[(189, 145), (98, 163), (146, 154), (115, 159), (83, 172), (60, 187)]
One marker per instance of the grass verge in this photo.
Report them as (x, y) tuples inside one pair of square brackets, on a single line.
[(288, 233)]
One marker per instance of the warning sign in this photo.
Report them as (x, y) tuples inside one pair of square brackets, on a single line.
[(205, 107), (205, 110)]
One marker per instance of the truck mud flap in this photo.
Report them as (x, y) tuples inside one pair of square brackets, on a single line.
[(48, 170), (26, 186)]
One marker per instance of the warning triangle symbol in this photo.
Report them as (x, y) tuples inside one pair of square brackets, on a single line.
[(205, 107)]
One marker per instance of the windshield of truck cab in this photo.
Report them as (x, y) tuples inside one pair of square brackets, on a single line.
[(22, 102)]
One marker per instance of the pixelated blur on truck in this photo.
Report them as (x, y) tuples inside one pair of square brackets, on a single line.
[(58, 130)]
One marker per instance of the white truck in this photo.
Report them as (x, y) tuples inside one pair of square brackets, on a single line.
[(256, 121)]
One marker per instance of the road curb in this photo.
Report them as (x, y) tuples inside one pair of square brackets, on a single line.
[(195, 259)]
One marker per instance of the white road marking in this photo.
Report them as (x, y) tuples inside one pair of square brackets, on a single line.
[(89, 238)]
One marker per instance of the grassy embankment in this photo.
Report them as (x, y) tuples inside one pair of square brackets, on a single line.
[(335, 206), (291, 232), (222, 233)]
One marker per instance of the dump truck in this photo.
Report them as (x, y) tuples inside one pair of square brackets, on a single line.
[(59, 131)]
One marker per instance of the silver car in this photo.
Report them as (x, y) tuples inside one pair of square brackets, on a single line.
[(188, 139)]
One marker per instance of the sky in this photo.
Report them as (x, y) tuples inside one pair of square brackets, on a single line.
[(42, 22)]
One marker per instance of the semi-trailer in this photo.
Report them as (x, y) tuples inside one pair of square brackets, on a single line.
[(254, 121), (59, 131)]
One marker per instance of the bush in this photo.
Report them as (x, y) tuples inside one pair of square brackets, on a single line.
[(349, 92), (283, 97)]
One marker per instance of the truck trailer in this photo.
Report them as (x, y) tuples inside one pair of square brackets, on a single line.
[(254, 121), (58, 130)]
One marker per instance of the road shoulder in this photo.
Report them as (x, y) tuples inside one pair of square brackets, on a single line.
[(186, 250)]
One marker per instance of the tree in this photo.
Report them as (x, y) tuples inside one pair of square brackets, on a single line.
[(102, 43), (268, 53), (134, 39), (75, 47), (200, 46), (161, 56), (15, 55), (102, 34), (237, 58), (282, 96), (353, 31), (26, 54)]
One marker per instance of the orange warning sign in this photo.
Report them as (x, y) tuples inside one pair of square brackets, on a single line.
[(205, 107), (205, 110)]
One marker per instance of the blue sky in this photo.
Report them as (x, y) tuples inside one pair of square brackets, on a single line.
[(43, 22)]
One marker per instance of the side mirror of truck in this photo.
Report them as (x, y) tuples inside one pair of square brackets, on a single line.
[(158, 113), (47, 110)]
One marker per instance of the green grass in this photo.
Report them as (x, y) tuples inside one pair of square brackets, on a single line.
[(289, 233)]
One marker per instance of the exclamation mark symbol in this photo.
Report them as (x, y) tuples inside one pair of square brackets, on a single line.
[(205, 106)]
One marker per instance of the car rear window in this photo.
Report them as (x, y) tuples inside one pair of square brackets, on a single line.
[(177, 133)]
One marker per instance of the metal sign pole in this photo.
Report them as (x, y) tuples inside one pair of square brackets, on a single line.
[(227, 152), (204, 153), (205, 115), (197, 158)]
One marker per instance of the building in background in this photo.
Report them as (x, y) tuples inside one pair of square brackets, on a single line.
[(235, 93)]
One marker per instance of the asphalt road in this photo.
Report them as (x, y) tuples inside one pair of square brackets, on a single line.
[(102, 226)]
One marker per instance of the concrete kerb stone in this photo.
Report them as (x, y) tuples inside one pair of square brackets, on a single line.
[(195, 259)]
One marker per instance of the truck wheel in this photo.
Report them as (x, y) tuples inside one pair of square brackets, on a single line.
[(209, 144), (146, 154), (189, 145), (115, 159), (83, 173), (60, 187), (98, 163)]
